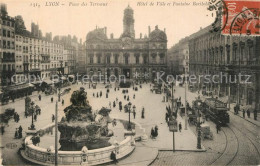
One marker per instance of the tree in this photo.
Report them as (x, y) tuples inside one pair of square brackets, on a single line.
[(19, 24)]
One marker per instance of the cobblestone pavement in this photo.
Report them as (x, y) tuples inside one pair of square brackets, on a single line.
[(236, 144), (242, 147)]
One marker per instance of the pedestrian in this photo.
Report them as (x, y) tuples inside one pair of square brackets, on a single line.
[(20, 131), (116, 100), (110, 104), (120, 108), (127, 98), (134, 96), (52, 99), (113, 157), (2, 129), (152, 133), (124, 96), (106, 95), (142, 113), (134, 113), (244, 112), (180, 126), (18, 118), (52, 118), (16, 134), (62, 102), (100, 93), (115, 88), (114, 104), (255, 115), (156, 131), (248, 113), (40, 97), (93, 94), (35, 117), (97, 94), (217, 127)]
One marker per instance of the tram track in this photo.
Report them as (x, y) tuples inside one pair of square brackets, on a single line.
[(227, 156)]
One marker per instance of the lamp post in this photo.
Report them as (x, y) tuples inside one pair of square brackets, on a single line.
[(32, 109), (129, 111), (59, 95), (198, 125)]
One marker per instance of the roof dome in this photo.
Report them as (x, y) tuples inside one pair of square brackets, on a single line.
[(157, 35), (98, 33)]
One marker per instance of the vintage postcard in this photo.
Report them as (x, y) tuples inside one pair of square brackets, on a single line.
[(129, 82)]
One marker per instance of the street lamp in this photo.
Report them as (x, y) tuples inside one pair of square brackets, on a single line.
[(32, 109), (198, 125), (129, 111), (59, 95)]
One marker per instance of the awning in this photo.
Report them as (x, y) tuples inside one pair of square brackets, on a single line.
[(18, 87)]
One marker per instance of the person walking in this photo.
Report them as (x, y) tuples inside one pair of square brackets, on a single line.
[(134, 96), (113, 157), (35, 117), (97, 94), (142, 113), (244, 112), (2, 129), (20, 131), (110, 104), (134, 113), (52, 118), (100, 93), (156, 131), (52, 99), (40, 97), (106, 95), (16, 134), (62, 102), (248, 113), (255, 114), (114, 104), (180, 126), (152, 133)]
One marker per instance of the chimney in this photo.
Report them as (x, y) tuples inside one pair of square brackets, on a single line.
[(156, 27), (141, 35), (112, 36), (149, 30), (164, 30)]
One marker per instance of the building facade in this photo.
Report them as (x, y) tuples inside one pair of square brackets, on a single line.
[(7, 47), (136, 58), (178, 57), (215, 54)]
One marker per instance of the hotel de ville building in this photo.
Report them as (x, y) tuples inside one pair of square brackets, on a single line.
[(127, 55)]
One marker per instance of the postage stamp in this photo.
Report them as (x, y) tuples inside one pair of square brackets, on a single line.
[(242, 18)]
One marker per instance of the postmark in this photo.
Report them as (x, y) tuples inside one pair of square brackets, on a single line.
[(242, 18), (218, 8)]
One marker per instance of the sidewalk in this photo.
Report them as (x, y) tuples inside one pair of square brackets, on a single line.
[(251, 119)]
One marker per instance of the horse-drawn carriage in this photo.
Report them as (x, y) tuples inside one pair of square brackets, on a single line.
[(7, 115), (205, 132)]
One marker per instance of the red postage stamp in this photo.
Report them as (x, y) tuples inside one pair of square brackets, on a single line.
[(241, 17)]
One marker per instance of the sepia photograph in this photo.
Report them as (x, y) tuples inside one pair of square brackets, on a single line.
[(120, 82)]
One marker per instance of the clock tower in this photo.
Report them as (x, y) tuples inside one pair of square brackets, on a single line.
[(128, 23)]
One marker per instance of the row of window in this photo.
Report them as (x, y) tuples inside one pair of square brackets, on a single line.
[(7, 33), (7, 44), (38, 42), (7, 23)]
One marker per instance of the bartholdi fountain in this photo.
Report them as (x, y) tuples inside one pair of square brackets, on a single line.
[(84, 137), (78, 128)]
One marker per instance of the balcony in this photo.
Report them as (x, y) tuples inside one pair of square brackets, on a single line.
[(8, 60)]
